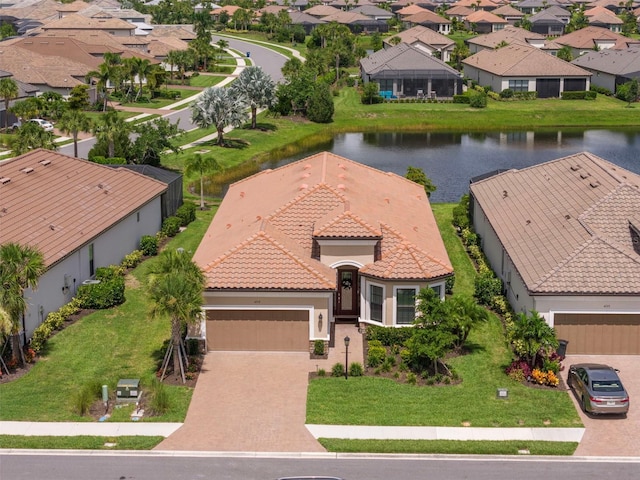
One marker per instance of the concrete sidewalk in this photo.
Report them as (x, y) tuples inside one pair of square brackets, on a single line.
[(113, 429)]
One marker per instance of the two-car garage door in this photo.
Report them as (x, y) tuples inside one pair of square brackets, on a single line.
[(599, 333), (264, 330)]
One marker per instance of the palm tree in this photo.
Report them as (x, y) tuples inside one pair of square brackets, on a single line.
[(30, 136), (143, 69), (257, 88), (21, 266), (103, 75), (8, 91), (200, 165), (175, 289), (465, 313), (534, 336), (5, 329), (219, 107), (73, 122), (172, 59), (108, 129)]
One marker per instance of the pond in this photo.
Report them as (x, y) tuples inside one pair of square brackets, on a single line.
[(452, 159)]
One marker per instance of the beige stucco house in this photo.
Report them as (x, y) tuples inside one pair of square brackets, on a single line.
[(564, 237), (291, 251)]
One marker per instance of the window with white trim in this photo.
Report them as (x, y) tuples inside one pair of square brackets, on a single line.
[(376, 302), (405, 305)]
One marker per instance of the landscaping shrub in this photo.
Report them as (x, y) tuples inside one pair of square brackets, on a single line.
[(461, 99), (411, 378), (478, 100), (149, 245), (519, 371), (186, 213), (461, 213), (320, 106), (84, 398), (388, 336), (109, 273), (322, 372), (132, 260), (356, 369), (578, 95), (40, 336), (600, 90), (487, 286), (170, 94), (525, 95), (171, 226), (376, 353), (506, 93), (108, 160), (469, 237), (370, 94), (337, 370), (318, 347), (106, 294)]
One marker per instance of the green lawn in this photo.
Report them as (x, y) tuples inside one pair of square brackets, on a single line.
[(163, 102), (79, 443), (205, 81), (473, 401), (104, 347)]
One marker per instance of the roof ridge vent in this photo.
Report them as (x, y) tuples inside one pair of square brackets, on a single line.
[(576, 167), (595, 184), (4, 180), (45, 162)]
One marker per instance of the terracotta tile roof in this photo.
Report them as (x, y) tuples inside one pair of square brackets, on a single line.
[(427, 17), (423, 35), (519, 59), (508, 34), (589, 36), (40, 10), (66, 203), (482, 16), (321, 10), (407, 262), (346, 17), (75, 21), (489, 4), (178, 31), (507, 11), (565, 224), (410, 10), (603, 16), (262, 235), (460, 11)]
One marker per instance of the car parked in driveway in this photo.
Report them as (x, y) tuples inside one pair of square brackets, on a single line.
[(44, 124), (598, 388)]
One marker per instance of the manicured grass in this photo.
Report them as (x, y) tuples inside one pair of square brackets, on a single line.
[(205, 81), (162, 102), (473, 401), (260, 38), (452, 447), (108, 345), (79, 443), (463, 267)]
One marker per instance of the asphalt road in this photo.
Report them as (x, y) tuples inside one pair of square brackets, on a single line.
[(98, 465), (270, 61)]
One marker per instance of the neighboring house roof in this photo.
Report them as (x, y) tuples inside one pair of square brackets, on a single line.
[(422, 35), (38, 69), (403, 57), (411, 10), (372, 11), (178, 31), (40, 10), (565, 224), (507, 11), (508, 34), (103, 41), (347, 18), (73, 7), (321, 10), (520, 59), (66, 47), (161, 174), (459, 11), (427, 17), (482, 4), (75, 21), (601, 15), (482, 16), (589, 37), (549, 16), (59, 203), (159, 47), (625, 63), (542, 3), (262, 236), (301, 18)]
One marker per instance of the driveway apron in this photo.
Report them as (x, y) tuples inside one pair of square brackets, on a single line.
[(611, 435), (250, 402)]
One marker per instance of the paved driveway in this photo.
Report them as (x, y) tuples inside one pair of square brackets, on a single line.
[(250, 402), (611, 435)]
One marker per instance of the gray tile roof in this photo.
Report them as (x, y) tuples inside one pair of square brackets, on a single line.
[(404, 57), (565, 224), (615, 62)]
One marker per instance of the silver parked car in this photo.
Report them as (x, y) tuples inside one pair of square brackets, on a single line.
[(598, 388)]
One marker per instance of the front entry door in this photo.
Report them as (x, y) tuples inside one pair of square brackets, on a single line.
[(347, 297)]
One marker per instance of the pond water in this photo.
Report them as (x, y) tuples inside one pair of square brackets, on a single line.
[(452, 159)]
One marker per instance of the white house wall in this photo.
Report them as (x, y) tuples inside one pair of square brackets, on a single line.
[(61, 281), (548, 306)]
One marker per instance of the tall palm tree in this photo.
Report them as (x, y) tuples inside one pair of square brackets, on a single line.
[(197, 164), (257, 88), (172, 59), (73, 122), (219, 107), (143, 69), (21, 266), (175, 288), (30, 136), (8, 91), (102, 76), (108, 128)]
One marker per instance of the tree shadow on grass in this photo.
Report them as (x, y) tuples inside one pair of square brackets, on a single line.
[(472, 347), (263, 127), (236, 143)]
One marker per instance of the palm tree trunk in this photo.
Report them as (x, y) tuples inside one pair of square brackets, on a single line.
[(220, 136), (175, 339), (254, 113), (75, 144), (201, 191)]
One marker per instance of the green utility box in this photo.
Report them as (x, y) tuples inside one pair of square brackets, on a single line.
[(128, 390)]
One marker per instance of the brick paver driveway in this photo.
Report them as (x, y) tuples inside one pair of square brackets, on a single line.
[(250, 402), (611, 435)]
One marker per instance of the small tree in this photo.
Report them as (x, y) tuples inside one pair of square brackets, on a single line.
[(218, 107), (8, 91), (200, 165), (565, 54), (31, 136), (532, 337), (418, 176), (628, 92), (256, 88), (320, 106), (370, 94), (72, 122)]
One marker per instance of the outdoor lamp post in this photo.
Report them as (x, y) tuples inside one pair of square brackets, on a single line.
[(346, 357)]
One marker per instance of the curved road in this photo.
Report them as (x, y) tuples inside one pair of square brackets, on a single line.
[(270, 61)]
